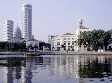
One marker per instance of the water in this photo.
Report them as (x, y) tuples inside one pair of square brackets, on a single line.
[(57, 69)]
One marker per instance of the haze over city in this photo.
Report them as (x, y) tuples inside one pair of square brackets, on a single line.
[(59, 16)]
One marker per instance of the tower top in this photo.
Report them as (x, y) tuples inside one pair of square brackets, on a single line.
[(81, 23)]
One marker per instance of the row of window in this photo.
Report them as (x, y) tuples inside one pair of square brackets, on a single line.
[(67, 39), (69, 49), (73, 42)]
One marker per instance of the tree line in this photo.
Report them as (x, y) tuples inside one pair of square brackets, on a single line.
[(7, 46), (95, 39)]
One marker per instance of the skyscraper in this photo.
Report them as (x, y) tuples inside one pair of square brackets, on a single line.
[(17, 35), (27, 22), (7, 31), (10, 26)]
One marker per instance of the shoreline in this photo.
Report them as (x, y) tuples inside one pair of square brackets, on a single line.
[(56, 53)]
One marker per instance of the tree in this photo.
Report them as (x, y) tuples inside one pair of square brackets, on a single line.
[(94, 39)]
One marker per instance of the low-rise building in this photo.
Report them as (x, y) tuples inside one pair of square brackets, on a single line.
[(36, 45), (66, 42)]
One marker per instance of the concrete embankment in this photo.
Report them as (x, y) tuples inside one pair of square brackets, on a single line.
[(24, 54), (72, 53), (5, 55), (12, 53)]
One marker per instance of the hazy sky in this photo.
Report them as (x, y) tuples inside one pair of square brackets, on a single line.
[(60, 16)]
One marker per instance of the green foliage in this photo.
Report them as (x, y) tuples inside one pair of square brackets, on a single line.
[(94, 39), (6, 46), (94, 68)]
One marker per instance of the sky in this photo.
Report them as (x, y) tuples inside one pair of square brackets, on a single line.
[(59, 16)]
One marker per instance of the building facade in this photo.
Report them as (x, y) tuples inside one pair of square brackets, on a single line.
[(10, 26), (68, 41), (17, 35), (65, 42), (7, 31), (27, 22)]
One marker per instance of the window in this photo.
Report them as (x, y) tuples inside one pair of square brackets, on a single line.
[(69, 43), (64, 38), (68, 38), (73, 42), (64, 43), (68, 48), (58, 48), (58, 43)]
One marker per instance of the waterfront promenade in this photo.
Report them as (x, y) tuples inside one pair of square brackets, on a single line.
[(53, 53), (72, 53)]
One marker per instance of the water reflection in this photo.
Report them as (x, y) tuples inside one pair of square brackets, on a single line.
[(10, 70), (95, 66), (57, 69)]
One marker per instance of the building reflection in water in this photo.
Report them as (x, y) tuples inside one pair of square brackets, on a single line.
[(11, 69), (28, 70), (75, 67), (10, 78), (82, 67), (65, 65)]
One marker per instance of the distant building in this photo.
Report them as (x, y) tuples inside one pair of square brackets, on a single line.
[(27, 22), (44, 46), (66, 42), (35, 45), (51, 40), (7, 31), (17, 35), (32, 45), (83, 28), (10, 26)]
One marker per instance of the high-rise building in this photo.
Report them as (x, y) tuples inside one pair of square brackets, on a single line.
[(7, 31), (10, 26), (17, 35), (27, 22)]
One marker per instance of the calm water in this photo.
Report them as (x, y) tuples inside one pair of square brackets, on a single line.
[(57, 69)]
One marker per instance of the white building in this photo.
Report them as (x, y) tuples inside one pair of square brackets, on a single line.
[(6, 33), (32, 45), (27, 22), (67, 42)]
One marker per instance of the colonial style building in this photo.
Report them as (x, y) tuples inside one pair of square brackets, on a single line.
[(66, 42)]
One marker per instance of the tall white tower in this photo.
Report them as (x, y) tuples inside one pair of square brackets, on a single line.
[(10, 26), (27, 22)]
